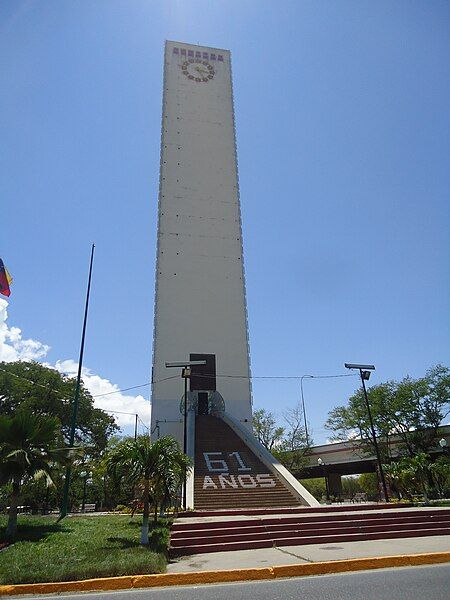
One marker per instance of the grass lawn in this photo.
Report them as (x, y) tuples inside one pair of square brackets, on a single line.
[(81, 547)]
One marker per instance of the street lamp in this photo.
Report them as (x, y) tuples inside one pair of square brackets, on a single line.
[(86, 476), (364, 372), (185, 374), (322, 464), (303, 405), (443, 445), (103, 502)]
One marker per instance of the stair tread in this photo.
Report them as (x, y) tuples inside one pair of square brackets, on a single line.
[(275, 535), (307, 540), (212, 532)]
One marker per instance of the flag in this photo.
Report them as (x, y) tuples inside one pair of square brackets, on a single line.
[(5, 280)]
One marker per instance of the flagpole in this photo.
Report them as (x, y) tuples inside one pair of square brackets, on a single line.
[(65, 501)]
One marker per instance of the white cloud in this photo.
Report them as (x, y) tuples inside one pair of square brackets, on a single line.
[(114, 400), (13, 347)]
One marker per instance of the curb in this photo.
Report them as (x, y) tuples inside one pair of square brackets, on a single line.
[(169, 579)]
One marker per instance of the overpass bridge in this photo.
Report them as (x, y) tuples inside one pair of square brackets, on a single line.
[(347, 458)]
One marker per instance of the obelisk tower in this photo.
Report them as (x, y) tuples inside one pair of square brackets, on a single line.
[(200, 305)]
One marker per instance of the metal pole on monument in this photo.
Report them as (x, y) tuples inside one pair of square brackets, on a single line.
[(185, 374), (64, 506)]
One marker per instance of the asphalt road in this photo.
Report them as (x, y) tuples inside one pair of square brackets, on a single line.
[(410, 583)]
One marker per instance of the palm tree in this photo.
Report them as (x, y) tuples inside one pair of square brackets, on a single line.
[(420, 466), (440, 470), (395, 472), (27, 451), (160, 468)]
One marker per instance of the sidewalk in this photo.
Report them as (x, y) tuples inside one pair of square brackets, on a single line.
[(269, 557)]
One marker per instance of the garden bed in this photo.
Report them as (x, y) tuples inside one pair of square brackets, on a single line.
[(81, 547)]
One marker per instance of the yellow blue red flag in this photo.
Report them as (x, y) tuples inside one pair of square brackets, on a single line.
[(5, 280)]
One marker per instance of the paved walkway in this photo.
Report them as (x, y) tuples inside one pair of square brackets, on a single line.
[(288, 555)]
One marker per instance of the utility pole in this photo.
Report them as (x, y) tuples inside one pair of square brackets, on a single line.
[(303, 407), (65, 501)]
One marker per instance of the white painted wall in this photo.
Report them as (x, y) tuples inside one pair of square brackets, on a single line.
[(200, 302)]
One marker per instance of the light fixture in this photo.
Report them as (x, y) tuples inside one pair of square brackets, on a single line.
[(186, 363)]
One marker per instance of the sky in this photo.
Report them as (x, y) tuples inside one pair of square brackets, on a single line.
[(343, 132)]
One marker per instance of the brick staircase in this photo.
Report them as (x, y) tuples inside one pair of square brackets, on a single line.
[(317, 527), (227, 473)]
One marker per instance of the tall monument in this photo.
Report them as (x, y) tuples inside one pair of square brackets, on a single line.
[(200, 305)]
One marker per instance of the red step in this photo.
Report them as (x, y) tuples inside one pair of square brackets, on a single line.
[(306, 540), (294, 510), (218, 536), (298, 533), (313, 516), (266, 526)]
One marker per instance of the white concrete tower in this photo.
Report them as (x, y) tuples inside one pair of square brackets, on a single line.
[(200, 305)]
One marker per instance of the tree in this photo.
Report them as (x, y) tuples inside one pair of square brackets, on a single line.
[(410, 411), (396, 476), (369, 485), (420, 467), (350, 486), (41, 390), (293, 447), (159, 468), (265, 428), (117, 490), (411, 475), (315, 486), (287, 444), (440, 472), (28, 450), (295, 434)]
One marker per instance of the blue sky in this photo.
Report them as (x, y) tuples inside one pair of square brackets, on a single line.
[(343, 143)]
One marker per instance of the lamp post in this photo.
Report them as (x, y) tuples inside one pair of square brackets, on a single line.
[(86, 476), (443, 445), (185, 374), (364, 372), (303, 405), (327, 489)]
